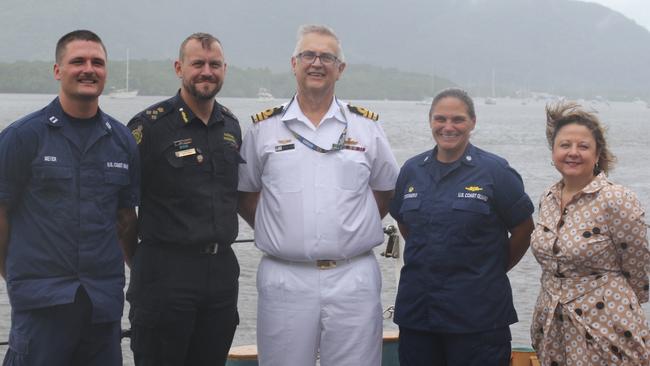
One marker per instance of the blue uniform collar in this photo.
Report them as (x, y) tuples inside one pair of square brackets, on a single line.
[(468, 158), (55, 118)]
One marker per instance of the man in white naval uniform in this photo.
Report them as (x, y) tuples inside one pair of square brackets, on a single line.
[(318, 179)]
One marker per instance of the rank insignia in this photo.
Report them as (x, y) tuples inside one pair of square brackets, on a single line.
[(473, 188), (261, 116), (411, 189), (183, 115), (363, 112), (229, 137), (137, 134)]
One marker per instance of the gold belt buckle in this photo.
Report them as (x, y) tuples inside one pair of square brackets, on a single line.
[(325, 264)]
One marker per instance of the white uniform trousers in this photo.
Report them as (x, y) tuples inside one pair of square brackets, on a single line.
[(303, 309)]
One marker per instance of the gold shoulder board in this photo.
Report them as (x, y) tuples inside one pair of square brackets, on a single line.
[(261, 116), (363, 112)]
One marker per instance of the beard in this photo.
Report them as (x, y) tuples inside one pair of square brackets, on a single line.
[(204, 93)]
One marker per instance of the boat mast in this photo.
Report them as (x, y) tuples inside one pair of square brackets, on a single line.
[(127, 69)]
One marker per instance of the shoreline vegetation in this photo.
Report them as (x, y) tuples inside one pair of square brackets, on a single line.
[(359, 81)]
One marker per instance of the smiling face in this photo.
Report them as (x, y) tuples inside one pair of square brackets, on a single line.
[(575, 153), (202, 70), (315, 78), (451, 126), (81, 71)]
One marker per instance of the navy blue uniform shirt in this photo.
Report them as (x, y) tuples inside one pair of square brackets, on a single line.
[(456, 254), (63, 200), (189, 174)]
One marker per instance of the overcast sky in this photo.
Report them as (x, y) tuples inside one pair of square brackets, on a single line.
[(637, 10)]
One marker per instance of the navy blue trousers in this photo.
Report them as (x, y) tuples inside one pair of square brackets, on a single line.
[(63, 335), (490, 348)]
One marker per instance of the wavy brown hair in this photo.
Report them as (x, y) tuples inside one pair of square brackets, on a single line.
[(561, 114)]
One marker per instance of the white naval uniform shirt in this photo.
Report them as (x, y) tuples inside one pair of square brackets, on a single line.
[(317, 205)]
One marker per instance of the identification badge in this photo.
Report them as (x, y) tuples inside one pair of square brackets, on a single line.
[(183, 153), (285, 147)]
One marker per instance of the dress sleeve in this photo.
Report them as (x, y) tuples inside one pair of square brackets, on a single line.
[(16, 154), (384, 168), (250, 173), (396, 202), (512, 203), (629, 234)]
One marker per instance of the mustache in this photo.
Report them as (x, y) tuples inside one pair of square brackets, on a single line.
[(201, 79)]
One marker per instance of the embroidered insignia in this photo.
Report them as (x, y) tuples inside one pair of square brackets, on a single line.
[(261, 116), (411, 189), (473, 188), (183, 115), (363, 112), (229, 137), (137, 134), (281, 142), (350, 141)]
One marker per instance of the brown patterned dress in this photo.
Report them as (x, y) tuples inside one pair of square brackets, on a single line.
[(595, 263)]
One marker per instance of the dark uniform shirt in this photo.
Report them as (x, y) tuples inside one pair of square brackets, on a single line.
[(456, 254), (63, 198), (189, 174)]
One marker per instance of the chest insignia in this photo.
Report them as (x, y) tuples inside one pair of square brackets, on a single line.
[(183, 144), (183, 115), (411, 193), (473, 189)]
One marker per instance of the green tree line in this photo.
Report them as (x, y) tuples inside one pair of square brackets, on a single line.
[(158, 78)]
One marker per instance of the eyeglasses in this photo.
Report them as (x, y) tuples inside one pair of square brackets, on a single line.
[(310, 57)]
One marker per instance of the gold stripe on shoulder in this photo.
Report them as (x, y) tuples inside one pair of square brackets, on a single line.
[(363, 112), (261, 116)]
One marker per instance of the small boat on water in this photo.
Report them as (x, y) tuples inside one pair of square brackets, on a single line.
[(263, 95), (124, 93)]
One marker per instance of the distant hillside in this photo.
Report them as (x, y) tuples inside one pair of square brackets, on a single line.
[(559, 46)]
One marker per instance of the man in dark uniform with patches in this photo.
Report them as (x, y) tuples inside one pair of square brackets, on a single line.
[(184, 279)]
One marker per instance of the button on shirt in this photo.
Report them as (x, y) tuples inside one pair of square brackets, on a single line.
[(189, 176), (458, 215), (317, 205), (63, 200)]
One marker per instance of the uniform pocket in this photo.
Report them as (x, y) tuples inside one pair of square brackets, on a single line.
[(143, 331), (283, 171), (18, 343), (52, 183)]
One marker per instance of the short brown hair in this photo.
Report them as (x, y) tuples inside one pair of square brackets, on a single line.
[(206, 40), (77, 35)]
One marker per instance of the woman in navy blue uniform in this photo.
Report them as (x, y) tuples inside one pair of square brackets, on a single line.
[(467, 220)]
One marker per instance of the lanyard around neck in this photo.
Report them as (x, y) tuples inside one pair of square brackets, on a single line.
[(335, 147)]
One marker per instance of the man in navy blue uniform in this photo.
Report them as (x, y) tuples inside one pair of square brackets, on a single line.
[(69, 185), (467, 221), (184, 280)]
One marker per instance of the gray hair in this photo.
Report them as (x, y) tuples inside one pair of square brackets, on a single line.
[(457, 93), (323, 30)]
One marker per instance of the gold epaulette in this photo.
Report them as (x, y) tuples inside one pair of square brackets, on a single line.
[(363, 112), (261, 116)]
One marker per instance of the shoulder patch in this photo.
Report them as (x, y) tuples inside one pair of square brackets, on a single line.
[(261, 116), (137, 134), (156, 111), (363, 112)]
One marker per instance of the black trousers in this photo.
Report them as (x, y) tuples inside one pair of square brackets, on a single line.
[(183, 306), (489, 348)]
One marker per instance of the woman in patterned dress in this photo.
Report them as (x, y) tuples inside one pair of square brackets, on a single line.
[(590, 239)]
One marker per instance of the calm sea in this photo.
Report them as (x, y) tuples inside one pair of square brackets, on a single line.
[(511, 129)]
